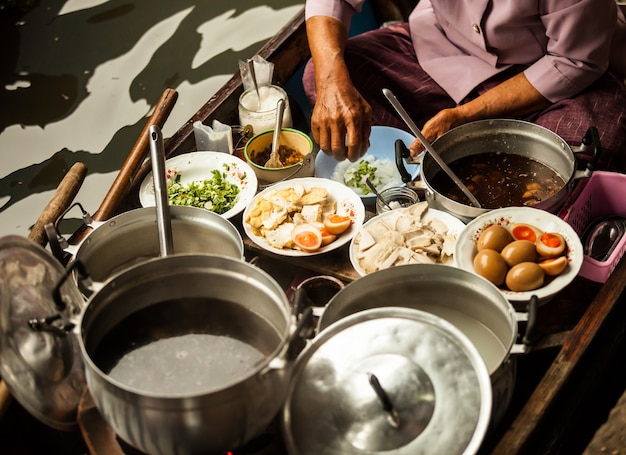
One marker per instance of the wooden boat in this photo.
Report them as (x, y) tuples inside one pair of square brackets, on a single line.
[(564, 389)]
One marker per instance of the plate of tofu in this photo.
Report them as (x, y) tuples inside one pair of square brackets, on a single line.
[(271, 218), (416, 234)]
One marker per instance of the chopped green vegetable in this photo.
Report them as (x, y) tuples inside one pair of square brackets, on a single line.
[(216, 194), (355, 177)]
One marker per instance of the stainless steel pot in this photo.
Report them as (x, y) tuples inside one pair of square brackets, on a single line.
[(132, 237), (472, 304), (197, 294), (510, 136)]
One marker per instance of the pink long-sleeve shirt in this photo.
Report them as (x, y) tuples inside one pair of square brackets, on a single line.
[(564, 44)]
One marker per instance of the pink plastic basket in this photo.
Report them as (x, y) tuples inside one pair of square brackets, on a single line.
[(603, 194)]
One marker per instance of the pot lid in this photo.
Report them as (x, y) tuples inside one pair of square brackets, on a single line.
[(388, 379), (39, 355)]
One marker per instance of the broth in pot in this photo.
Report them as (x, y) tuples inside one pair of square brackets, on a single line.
[(500, 180)]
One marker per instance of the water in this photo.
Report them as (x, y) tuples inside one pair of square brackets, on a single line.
[(81, 77)]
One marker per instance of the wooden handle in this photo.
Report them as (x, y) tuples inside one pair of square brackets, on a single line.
[(61, 200), (137, 155)]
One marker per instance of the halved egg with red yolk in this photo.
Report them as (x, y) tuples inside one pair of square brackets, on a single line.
[(336, 224), (307, 237), (327, 237), (554, 266), (523, 231), (550, 244)]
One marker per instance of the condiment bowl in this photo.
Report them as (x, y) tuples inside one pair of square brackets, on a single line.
[(260, 145), (466, 248)]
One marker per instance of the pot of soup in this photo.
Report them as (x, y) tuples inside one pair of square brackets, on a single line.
[(504, 163), (182, 354)]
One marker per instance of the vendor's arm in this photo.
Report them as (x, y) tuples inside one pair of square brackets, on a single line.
[(514, 97), (341, 118)]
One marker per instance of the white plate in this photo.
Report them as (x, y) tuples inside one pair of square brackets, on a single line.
[(546, 222), (348, 204), (198, 166), (455, 226), (382, 146)]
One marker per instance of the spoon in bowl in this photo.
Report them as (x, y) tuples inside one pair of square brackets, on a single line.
[(427, 145), (274, 160)]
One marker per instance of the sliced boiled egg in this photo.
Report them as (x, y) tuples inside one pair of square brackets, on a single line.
[(554, 266), (523, 231), (327, 237), (337, 224), (550, 244), (307, 237)]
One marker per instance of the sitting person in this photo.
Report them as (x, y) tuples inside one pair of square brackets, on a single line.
[(458, 61)]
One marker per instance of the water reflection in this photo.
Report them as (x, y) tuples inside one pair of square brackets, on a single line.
[(79, 79)]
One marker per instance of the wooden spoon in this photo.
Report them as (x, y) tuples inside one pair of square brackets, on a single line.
[(274, 160)]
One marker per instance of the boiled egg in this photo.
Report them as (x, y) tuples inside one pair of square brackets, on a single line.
[(306, 237), (494, 237), (554, 266), (327, 237), (336, 224), (525, 276), (519, 251), (490, 265), (523, 231), (550, 244)]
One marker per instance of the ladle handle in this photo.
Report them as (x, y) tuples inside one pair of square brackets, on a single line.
[(157, 155), (415, 130)]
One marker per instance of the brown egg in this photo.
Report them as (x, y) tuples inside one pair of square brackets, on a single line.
[(554, 266), (519, 251), (493, 238), (550, 244), (490, 265), (525, 276)]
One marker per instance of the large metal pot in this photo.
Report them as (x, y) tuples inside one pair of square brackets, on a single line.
[(509, 136), (173, 401), (132, 237), (475, 306)]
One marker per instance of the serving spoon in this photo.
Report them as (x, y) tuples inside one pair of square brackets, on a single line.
[(376, 192), (427, 145), (274, 160)]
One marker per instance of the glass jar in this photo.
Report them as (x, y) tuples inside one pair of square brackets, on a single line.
[(397, 197), (260, 111)]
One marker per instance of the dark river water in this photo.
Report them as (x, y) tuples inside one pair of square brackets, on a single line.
[(80, 77)]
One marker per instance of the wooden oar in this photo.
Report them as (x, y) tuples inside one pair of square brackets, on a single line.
[(60, 201), (123, 182)]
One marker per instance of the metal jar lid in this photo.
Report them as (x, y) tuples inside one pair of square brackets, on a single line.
[(40, 358), (388, 379)]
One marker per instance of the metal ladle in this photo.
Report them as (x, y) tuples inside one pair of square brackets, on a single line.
[(415, 130), (164, 225)]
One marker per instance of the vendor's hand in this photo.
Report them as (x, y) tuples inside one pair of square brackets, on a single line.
[(341, 122), (434, 128)]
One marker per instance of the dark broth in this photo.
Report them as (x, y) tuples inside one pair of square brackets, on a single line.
[(500, 180)]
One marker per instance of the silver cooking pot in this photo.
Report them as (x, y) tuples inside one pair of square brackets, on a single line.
[(159, 397), (509, 136), (475, 306), (132, 237)]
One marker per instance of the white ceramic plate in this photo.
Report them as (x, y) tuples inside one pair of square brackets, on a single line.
[(348, 204), (382, 146), (455, 226), (197, 166), (546, 222)]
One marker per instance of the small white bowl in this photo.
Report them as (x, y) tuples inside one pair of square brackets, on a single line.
[(466, 247)]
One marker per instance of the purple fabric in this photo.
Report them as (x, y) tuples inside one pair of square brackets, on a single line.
[(385, 58)]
